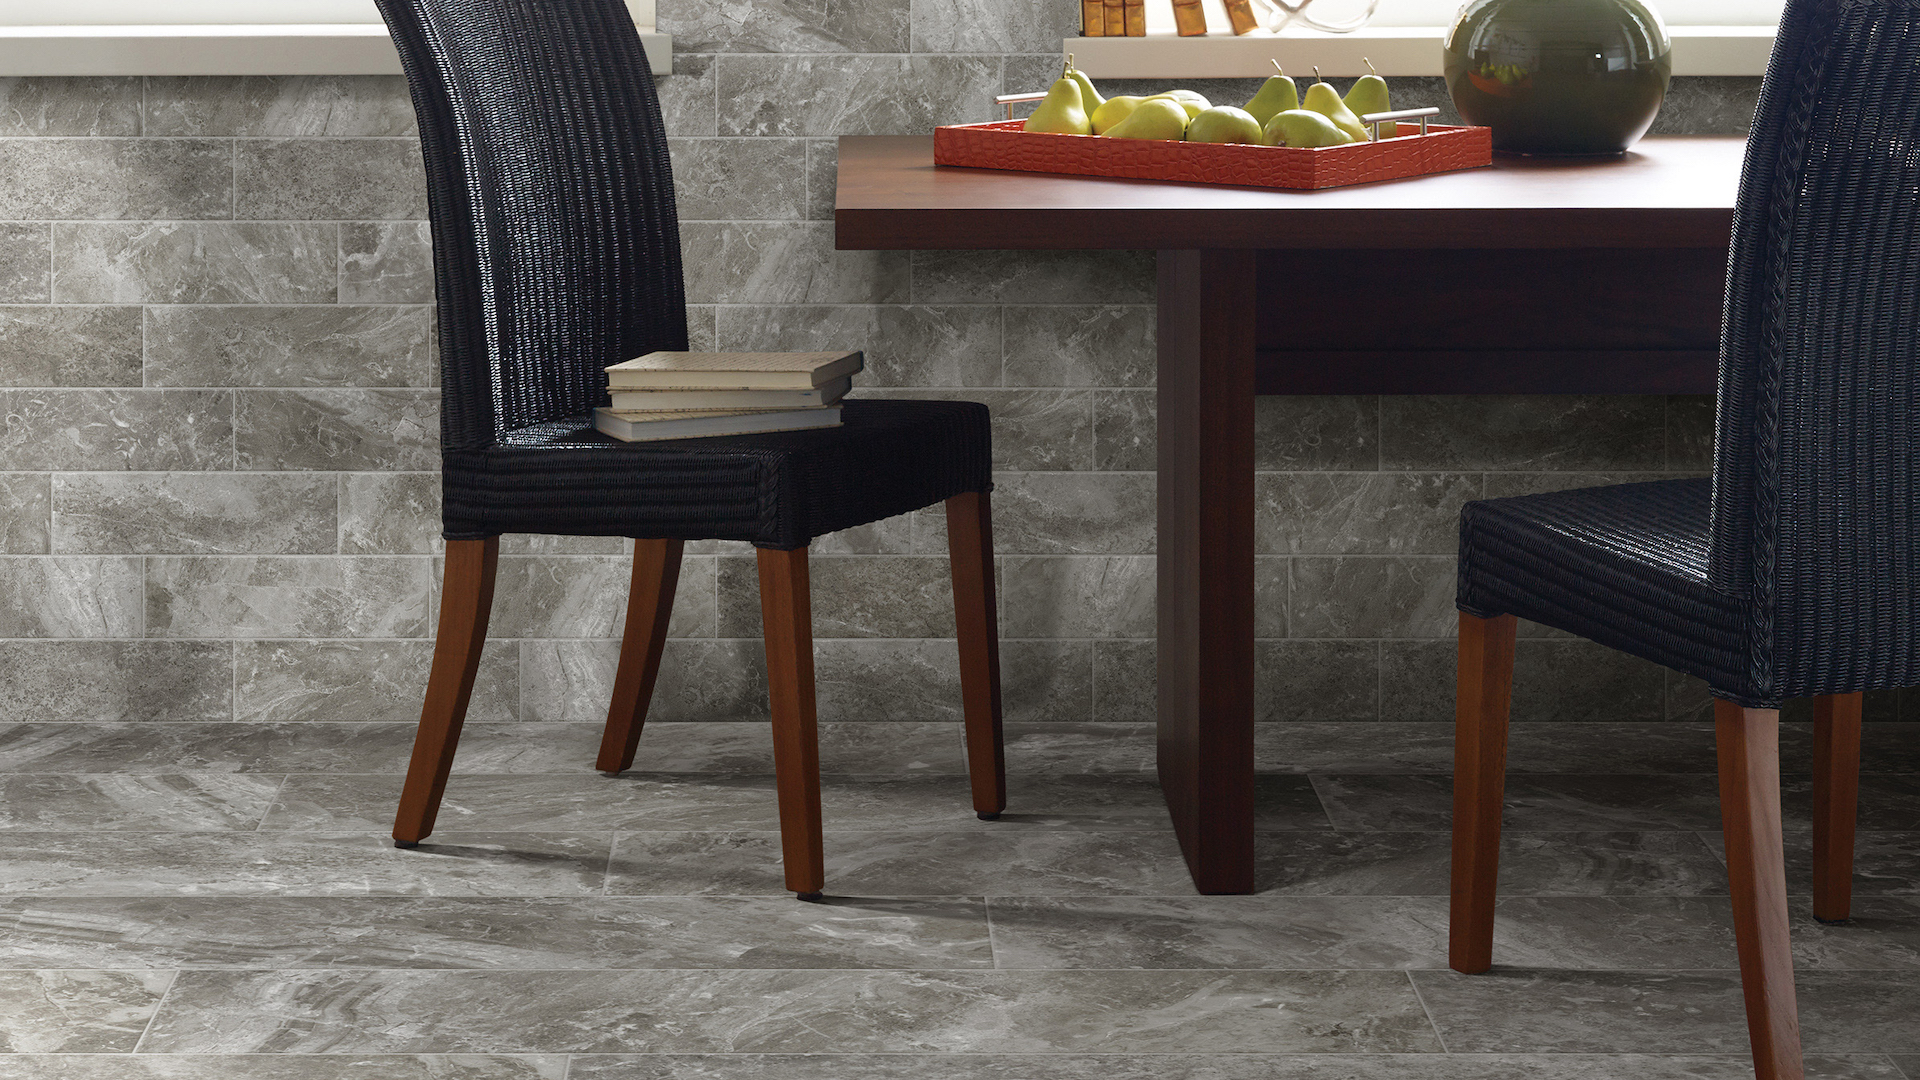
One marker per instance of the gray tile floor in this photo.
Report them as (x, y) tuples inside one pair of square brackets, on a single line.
[(219, 901)]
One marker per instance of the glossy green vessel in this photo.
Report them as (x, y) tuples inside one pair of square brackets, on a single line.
[(1559, 76)]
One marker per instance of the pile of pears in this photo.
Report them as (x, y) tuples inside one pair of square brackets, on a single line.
[(1276, 116)]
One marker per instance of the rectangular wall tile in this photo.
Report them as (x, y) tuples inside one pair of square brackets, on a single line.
[(1033, 277), (278, 105), (193, 514), (386, 262), (687, 96), (116, 178), (69, 597), (312, 179), (823, 175), (115, 681), (390, 513), (739, 179), (991, 26), (278, 682), (1069, 345), (1335, 432), (1075, 597), (175, 263), (286, 597), (85, 105), (788, 26), (701, 681), (26, 513), (298, 345), (785, 263), (26, 262), (145, 430), (69, 346), (1044, 513), (1360, 513), (584, 596), (903, 346), (858, 95), (891, 596), (337, 429), (1371, 597), (1528, 433)]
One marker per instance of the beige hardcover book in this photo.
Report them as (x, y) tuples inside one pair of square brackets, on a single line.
[(732, 371), (735, 400), (630, 426)]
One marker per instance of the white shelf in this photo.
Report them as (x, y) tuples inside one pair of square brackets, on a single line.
[(264, 49), (1394, 50)]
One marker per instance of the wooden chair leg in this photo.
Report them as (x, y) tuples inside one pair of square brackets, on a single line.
[(1484, 698), (466, 600), (786, 608), (1836, 802), (656, 571), (970, 550), (1749, 742)]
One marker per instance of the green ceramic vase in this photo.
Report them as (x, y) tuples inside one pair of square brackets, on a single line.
[(1559, 76)]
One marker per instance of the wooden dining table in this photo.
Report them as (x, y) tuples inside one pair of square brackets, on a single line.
[(1532, 276)]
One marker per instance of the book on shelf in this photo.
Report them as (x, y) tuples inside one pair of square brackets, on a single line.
[(1189, 18), (1240, 14), (1116, 23), (1136, 18), (732, 371), (665, 400), (651, 425), (1093, 18)]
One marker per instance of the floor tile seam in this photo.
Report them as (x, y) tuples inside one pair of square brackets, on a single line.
[(1427, 1011), (157, 1005), (1732, 972)]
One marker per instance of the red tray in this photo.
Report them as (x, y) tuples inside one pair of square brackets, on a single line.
[(1003, 145)]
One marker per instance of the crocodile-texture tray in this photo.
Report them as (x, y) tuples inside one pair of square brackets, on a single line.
[(1003, 145)]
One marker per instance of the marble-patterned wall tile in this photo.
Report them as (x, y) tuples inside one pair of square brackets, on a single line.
[(116, 178), (1047, 682), (1048, 513), (702, 334), (585, 596), (1708, 105), (1332, 432), (1038, 430), (823, 174), (903, 346), (1125, 682), (278, 105), (739, 179), (1417, 681), (337, 429), (785, 263), (83, 105), (193, 514), (1523, 432), (1359, 596), (878, 596), (1077, 596), (296, 345), (69, 597), (278, 1067), (1071, 345), (1000, 26), (318, 179), (1125, 433), (788, 26), (1360, 513), (1690, 432), (1503, 485), (115, 681), (69, 346), (1271, 593), (26, 262), (189, 263), (1580, 681), (386, 262), (147, 430), (277, 682), (1317, 681), (1033, 277), (396, 513), (853, 95), (888, 536), (688, 98), (286, 596), (78, 1011), (882, 681), (26, 513)]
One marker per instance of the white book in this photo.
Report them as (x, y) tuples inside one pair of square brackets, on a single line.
[(732, 371), (650, 426), (734, 400)]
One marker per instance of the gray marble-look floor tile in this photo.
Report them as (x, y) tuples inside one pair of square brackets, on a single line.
[(711, 932), (1219, 932), (1562, 803), (1543, 864), (77, 1012), (282, 1067), (747, 1011), (1883, 933), (94, 864), (119, 802), (1558, 1010)]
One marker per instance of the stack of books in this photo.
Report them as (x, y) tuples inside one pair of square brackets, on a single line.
[(685, 395)]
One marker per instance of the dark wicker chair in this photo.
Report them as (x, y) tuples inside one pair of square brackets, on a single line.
[(1795, 571), (557, 252)]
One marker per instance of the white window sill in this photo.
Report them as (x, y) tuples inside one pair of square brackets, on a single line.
[(312, 49), (1394, 50)]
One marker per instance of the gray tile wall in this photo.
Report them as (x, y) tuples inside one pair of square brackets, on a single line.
[(217, 382)]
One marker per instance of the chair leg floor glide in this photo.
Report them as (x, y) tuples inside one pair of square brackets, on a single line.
[(1485, 696), (466, 601), (970, 552), (786, 609), (1836, 803), (1749, 752), (656, 573)]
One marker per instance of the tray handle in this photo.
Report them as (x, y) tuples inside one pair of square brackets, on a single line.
[(1010, 100), (1373, 120)]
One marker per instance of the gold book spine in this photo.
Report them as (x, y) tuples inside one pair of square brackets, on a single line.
[(1093, 18), (1189, 19), (1241, 12), (1116, 18), (1136, 18)]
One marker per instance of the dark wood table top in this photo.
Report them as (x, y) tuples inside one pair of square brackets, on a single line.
[(1673, 192)]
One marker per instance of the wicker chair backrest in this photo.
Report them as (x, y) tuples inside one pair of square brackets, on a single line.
[(555, 243), (1817, 472)]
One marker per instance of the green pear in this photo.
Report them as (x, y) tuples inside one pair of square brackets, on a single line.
[(1156, 118), (1277, 95), (1090, 98), (1115, 110), (1325, 100), (1304, 127), (1061, 113), (1369, 95), (1190, 101), (1225, 124)]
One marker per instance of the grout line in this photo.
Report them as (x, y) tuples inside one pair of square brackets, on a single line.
[(1424, 1008), (155, 1016)]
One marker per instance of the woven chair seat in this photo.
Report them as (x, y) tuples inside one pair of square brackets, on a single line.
[(1625, 566), (775, 490)]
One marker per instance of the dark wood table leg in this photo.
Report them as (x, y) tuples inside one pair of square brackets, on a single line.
[(1206, 331)]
